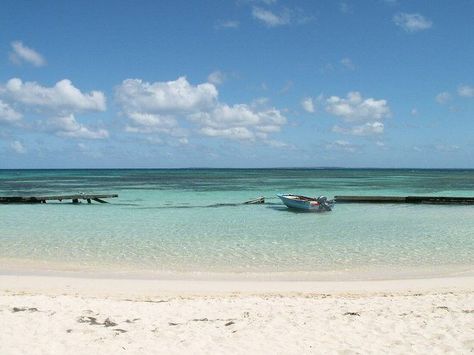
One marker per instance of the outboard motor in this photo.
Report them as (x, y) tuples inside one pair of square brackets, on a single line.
[(324, 204)]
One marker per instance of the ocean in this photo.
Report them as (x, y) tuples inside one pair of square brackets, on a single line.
[(191, 222)]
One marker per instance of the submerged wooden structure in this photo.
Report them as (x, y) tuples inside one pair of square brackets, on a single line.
[(255, 201), (43, 199), (432, 200)]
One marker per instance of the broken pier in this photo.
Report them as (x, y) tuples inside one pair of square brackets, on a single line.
[(432, 200), (43, 199)]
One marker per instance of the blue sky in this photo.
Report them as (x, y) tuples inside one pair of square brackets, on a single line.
[(237, 83)]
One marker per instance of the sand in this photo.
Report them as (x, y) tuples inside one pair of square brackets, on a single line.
[(74, 315)]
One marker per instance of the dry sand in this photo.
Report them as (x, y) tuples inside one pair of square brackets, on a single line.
[(68, 315)]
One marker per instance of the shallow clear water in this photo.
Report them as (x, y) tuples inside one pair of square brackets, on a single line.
[(185, 220)]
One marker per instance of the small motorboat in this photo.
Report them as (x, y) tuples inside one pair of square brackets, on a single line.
[(318, 204)]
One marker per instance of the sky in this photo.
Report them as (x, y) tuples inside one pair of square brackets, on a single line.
[(236, 83)]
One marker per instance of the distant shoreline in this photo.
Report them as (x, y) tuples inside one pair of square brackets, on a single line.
[(230, 168)]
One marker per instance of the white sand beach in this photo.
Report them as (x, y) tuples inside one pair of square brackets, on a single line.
[(73, 315)]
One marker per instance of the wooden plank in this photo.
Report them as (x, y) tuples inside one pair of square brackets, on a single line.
[(78, 196), (441, 200), (370, 199), (257, 200), (43, 199), (436, 200)]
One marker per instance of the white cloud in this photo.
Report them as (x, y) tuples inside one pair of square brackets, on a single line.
[(354, 108), (216, 77), (57, 104), (18, 147), (270, 18), (172, 97), (239, 121), (242, 133), (340, 145), (62, 97), (412, 22), (67, 126), (153, 120), (347, 63), (8, 114), (414, 111), (23, 53), (466, 91), (367, 129), (443, 97), (308, 104), (281, 17), (164, 106)]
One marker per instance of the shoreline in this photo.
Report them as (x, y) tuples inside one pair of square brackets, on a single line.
[(26, 267), (119, 287)]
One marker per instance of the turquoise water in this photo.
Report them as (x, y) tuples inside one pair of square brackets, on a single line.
[(191, 221)]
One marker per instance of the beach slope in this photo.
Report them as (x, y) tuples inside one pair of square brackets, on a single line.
[(45, 315)]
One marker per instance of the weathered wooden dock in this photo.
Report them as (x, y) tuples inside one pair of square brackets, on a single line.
[(43, 199), (433, 200)]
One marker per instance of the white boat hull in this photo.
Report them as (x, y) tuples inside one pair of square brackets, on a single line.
[(304, 203)]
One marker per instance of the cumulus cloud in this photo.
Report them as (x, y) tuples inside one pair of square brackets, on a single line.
[(308, 104), (57, 104), (21, 53), (367, 129), (18, 147), (67, 126), (412, 22), (62, 97), (443, 97), (239, 121), (8, 114), (270, 18), (165, 106), (355, 108), (153, 120), (466, 91), (172, 97)]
